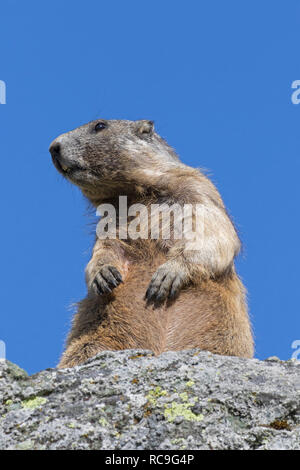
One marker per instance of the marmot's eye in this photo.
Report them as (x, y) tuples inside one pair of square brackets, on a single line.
[(99, 126)]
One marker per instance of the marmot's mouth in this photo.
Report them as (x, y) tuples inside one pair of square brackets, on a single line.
[(63, 169)]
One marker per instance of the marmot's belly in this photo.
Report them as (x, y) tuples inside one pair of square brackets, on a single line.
[(211, 316), (199, 315)]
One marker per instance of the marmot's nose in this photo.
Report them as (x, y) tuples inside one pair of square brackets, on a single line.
[(54, 149)]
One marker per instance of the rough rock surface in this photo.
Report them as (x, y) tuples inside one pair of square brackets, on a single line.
[(133, 400)]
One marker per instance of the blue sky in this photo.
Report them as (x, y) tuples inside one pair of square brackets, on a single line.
[(215, 76)]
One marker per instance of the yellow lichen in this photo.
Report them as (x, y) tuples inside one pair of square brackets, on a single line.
[(190, 383), (157, 392), (103, 422), (184, 396), (181, 409), (32, 403)]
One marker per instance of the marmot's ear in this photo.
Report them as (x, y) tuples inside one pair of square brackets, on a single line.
[(145, 127)]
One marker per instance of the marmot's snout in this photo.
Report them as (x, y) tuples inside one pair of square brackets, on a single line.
[(58, 160), (54, 149), (61, 157)]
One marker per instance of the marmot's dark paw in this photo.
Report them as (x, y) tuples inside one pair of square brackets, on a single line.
[(165, 284), (106, 280)]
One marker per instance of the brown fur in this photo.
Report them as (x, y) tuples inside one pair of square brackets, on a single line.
[(209, 312)]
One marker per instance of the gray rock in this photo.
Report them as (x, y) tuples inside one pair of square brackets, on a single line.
[(134, 400)]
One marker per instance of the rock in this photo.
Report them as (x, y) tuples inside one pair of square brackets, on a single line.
[(134, 400)]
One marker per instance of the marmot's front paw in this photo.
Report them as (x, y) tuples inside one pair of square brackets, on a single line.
[(106, 280), (166, 283)]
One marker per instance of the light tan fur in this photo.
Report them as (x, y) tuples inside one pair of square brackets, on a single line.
[(209, 310)]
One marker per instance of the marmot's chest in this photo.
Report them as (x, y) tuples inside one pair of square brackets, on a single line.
[(142, 258)]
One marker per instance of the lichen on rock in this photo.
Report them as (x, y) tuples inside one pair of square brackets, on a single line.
[(134, 400)]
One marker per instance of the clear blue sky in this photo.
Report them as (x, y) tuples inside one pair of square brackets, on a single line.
[(215, 76)]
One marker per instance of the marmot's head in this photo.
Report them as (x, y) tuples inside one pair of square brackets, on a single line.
[(107, 154)]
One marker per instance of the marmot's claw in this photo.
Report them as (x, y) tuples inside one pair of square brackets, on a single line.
[(106, 280), (164, 284)]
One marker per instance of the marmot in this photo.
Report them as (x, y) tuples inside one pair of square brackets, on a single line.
[(156, 294)]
